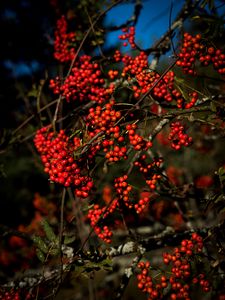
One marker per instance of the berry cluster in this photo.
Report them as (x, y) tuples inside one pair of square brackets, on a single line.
[(116, 153), (85, 83), (165, 89), (113, 74), (95, 214), (64, 42), (178, 136), (145, 167), (180, 278), (148, 170), (141, 204), (194, 49), (103, 120), (123, 190), (129, 34), (57, 155), (132, 65), (190, 51), (145, 283), (136, 140), (14, 295), (216, 57), (194, 98), (204, 283), (117, 56)]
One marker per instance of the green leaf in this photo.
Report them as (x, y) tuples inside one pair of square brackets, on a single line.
[(33, 93), (213, 106), (54, 251), (40, 255), (49, 232), (40, 243), (221, 171), (69, 239)]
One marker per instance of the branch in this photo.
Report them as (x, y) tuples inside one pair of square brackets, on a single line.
[(167, 238)]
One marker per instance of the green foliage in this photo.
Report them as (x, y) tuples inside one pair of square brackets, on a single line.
[(49, 232)]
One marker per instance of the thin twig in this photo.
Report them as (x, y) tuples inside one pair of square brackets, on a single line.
[(32, 116), (61, 227)]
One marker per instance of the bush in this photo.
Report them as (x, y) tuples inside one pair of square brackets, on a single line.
[(131, 141)]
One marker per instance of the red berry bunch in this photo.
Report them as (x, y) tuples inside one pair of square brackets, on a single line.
[(116, 153), (123, 190), (181, 267), (164, 90), (64, 42), (216, 57), (129, 34), (144, 166), (132, 65), (194, 98), (178, 136), (149, 170), (194, 49), (136, 140), (141, 204), (11, 295), (85, 83), (204, 283), (145, 282), (14, 294), (57, 155), (117, 56), (103, 119), (113, 74), (94, 216), (190, 52), (180, 278)]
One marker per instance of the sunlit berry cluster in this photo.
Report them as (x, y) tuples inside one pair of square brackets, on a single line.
[(103, 119), (132, 65), (85, 83), (57, 155), (129, 35), (194, 49), (178, 136), (178, 277), (64, 50), (164, 90)]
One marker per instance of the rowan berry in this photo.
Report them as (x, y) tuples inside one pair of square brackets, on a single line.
[(64, 50), (178, 136)]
